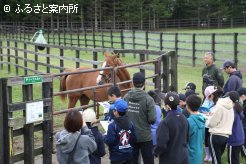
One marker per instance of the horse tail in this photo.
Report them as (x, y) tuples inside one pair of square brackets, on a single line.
[(63, 78)]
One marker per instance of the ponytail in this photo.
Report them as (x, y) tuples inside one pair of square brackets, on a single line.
[(237, 107)]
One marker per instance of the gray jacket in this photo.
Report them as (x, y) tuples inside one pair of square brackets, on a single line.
[(141, 111), (65, 142)]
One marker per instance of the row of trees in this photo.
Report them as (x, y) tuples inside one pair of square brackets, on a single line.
[(124, 11)]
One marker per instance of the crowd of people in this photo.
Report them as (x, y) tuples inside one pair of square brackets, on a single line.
[(178, 128)]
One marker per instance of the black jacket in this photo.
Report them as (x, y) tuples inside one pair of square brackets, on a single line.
[(172, 139)]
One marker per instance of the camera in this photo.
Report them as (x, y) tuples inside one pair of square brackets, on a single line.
[(207, 79)]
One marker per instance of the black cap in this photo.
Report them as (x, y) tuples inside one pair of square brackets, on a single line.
[(190, 92), (138, 78), (191, 86), (228, 63), (241, 91), (182, 97), (172, 100)]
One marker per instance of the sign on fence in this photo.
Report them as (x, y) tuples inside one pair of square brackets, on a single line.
[(34, 112), (32, 80)]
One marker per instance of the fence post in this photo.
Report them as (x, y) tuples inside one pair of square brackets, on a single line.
[(111, 39), (133, 42), (64, 37), (61, 60), (85, 37), (102, 35), (16, 59), (147, 42), (174, 72), (176, 43), (235, 43), (193, 50), (47, 125), (8, 56), (1, 52), (142, 59), (36, 58), (77, 57), (165, 73), (25, 57), (94, 38), (28, 129), (213, 44), (122, 41), (48, 59), (95, 58), (4, 130), (161, 41), (78, 37)]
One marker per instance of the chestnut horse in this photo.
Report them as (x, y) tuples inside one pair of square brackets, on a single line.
[(89, 79)]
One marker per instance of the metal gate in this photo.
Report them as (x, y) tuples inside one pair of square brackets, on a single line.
[(26, 117)]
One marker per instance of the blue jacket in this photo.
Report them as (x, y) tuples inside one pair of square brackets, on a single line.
[(234, 82), (157, 122), (237, 136), (196, 138), (95, 157), (120, 138)]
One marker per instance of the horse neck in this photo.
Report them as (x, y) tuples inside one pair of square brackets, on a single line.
[(124, 75)]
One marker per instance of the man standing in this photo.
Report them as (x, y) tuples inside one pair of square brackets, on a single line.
[(210, 73), (235, 79), (141, 111)]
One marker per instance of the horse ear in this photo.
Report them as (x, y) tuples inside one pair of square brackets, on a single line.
[(106, 54)]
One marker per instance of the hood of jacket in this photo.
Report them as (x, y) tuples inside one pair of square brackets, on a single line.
[(67, 140), (136, 94), (225, 103), (237, 73), (123, 122), (199, 120)]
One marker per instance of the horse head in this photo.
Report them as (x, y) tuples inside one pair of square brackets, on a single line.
[(111, 60)]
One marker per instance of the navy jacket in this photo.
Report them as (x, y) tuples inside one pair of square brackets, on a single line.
[(120, 138), (234, 82), (237, 136), (172, 139), (95, 157)]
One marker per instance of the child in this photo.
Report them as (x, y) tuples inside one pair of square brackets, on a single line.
[(182, 105), (153, 94), (172, 134), (212, 94), (114, 95), (120, 136), (196, 129), (242, 101), (71, 147), (89, 117), (220, 127), (236, 139)]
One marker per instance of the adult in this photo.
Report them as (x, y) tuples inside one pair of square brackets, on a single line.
[(71, 146), (141, 111), (235, 79), (210, 73)]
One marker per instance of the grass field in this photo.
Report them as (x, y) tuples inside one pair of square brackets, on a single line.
[(186, 73)]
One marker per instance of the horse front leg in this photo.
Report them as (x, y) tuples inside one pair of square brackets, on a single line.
[(72, 102), (84, 100)]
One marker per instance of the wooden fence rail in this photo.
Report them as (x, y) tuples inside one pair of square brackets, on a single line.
[(190, 47)]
